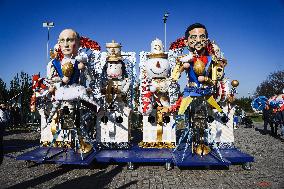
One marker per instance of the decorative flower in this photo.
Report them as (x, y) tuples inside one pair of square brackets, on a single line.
[(179, 43), (204, 59), (210, 48), (59, 54), (89, 44)]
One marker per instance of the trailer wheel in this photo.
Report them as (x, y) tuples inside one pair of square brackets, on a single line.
[(30, 163), (130, 166), (247, 166), (168, 166)]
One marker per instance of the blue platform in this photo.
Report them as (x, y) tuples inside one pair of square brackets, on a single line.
[(235, 156), (191, 160), (137, 155), (57, 155)]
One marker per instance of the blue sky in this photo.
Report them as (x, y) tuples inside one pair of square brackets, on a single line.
[(249, 32)]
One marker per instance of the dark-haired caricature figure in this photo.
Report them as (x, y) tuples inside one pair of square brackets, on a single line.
[(198, 66)]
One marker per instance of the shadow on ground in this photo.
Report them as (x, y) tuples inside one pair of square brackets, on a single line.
[(39, 180), (100, 179), (268, 132), (15, 145)]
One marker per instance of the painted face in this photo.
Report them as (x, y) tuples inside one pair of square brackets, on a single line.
[(114, 70), (68, 43), (197, 39), (113, 51), (156, 49), (157, 67), (220, 72)]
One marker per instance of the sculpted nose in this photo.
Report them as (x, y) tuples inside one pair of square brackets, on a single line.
[(158, 64), (198, 39), (66, 43)]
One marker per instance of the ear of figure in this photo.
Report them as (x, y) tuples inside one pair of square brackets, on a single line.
[(186, 42)]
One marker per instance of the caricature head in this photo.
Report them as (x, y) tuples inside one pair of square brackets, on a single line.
[(114, 70), (196, 37), (69, 42)]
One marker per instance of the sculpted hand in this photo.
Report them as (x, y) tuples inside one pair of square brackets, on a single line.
[(201, 79)]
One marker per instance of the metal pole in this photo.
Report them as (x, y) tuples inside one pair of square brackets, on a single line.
[(47, 54), (165, 36), (166, 15), (47, 25)]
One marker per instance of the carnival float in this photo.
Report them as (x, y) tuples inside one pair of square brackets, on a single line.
[(95, 107)]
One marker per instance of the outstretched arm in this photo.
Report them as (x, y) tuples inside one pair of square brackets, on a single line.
[(178, 69)]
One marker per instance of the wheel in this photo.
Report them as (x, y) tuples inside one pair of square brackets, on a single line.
[(168, 166), (130, 166), (30, 163), (247, 166)]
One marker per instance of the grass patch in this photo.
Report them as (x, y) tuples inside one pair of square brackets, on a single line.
[(257, 118)]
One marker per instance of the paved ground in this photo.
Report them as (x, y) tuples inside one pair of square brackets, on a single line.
[(267, 171)]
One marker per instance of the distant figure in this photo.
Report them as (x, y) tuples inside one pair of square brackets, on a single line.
[(3, 121), (279, 121), (236, 121), (267, 117), (274, 127), (242, 116), (282, 123), (16, 116)]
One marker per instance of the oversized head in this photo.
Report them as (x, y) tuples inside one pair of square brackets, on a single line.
[(69, 42), (196, 38), (157, 65)]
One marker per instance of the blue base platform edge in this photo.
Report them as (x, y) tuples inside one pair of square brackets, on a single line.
[(235, 156), (58, 156), (135, 155), (194, 160)]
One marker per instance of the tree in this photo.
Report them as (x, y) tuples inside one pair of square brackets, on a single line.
[(4, 96), (18, 94), (244, 103), (26, 93), (273, 85)]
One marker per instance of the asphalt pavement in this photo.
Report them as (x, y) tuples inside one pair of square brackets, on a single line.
[(267, 170)]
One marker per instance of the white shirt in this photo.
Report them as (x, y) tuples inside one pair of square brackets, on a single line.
[(3, 116)]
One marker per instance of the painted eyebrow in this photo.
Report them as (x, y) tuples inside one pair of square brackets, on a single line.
[(67, 39)]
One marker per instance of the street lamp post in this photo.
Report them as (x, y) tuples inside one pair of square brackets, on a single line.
[(47, 25), (165, 18)]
